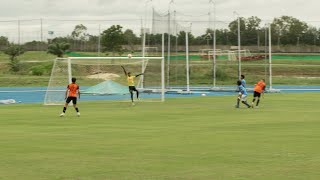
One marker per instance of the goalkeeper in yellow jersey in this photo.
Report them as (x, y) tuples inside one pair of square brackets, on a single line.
[(130, 79)]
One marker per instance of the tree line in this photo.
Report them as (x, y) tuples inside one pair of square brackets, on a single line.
[(286, 30)]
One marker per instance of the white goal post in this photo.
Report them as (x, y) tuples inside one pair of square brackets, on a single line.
[(244, 52), (103, 78), (151, 51), (231, 56)]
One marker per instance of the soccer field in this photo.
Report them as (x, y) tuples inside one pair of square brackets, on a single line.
[(183, 138)]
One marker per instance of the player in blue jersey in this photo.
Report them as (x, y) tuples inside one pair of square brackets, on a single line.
[(243, 81), (242, 95)]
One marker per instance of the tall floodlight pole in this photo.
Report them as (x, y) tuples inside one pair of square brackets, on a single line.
[(258, 39), (169, 34), (270, 58), (162, 68), (99, 40), (266, 29), (214, 43), (144, 27), (144, 40), (19, 32), (187, 61), (162, 46), (176, 43), (41, 31), (239, 46)]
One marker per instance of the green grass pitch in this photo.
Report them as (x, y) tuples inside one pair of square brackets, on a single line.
[(186, 138)]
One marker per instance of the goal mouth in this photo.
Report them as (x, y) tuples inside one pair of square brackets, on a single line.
[(105, 76)]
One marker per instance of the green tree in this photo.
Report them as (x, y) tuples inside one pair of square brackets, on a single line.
[(154, 39), (233, 30), (61, 39), (289, 30), (13, 51), (3, 42), (80, 35), (130, 38), (252, 30), (222, 37), (253, 23), (112, 39), (79, 32), (182, 38), (206, 38), (58, 49), (249, 30), (35, 46), (311, 36), (92, 42)]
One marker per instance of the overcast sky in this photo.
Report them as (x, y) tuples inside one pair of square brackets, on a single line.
[(91, 9), (130, 12)]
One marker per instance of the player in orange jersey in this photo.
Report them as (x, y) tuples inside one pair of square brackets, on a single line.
[(72, 93), (259, 89)]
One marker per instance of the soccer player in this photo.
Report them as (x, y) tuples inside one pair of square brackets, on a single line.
[(259, 88), (71, 95), (131, 85), (242, 95), (243, 81)]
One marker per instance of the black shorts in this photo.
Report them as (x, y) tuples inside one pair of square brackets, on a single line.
[(73, 99), (256, 94), (132, 88)]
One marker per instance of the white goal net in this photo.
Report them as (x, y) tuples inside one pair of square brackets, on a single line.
[(102, 78)]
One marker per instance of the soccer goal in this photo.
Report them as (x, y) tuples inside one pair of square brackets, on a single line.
[(151, 51), (102, 78), (243, 53), (223, 55)]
